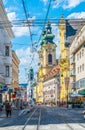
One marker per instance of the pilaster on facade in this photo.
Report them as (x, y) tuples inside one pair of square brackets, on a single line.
[(64, 61)]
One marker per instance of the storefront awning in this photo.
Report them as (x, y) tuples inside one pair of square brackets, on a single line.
[(74, 95), (0, 86), (82, 92)]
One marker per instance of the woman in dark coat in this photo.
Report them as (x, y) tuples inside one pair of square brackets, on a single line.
[(8, 109)]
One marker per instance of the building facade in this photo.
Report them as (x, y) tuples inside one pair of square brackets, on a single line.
[(77, 61), (29, 87), (6, 35), (51, 87), (15, 72)]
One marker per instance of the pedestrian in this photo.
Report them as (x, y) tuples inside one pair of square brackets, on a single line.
[(8, 109)]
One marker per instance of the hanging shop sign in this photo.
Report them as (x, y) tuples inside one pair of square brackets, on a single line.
[(4, 89), (10, 90)]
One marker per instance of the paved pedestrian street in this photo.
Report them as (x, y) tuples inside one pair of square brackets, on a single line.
[(51, 118)]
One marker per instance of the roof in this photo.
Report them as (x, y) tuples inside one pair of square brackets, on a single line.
[(72, 27), (47, 35), (52, 73)]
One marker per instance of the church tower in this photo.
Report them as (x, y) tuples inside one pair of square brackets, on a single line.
[(47, 53), (47, 58)]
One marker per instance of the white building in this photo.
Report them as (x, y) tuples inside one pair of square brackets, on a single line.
[(50, 91), (6, 35), (51, 86), (77, 60)]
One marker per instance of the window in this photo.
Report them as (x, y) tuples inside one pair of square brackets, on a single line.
[(82, 67), (84, 82), (77, 84), (7, 71), (77, 56), (80, 83), (82, 52), (6, 50), (49, 59), (78, 69)]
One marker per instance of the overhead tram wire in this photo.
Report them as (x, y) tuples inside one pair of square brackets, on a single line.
[(43, 26), (27, 21), (45, 18), (38, 22), (28, 26)]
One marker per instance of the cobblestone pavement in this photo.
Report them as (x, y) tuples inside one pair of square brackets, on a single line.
[(52, 118)]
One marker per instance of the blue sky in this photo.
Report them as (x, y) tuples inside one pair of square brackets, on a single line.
[(36, 9)]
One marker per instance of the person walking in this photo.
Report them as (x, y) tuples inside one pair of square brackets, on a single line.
[(8, 109)]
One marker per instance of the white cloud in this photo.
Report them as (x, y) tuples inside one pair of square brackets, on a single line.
[(72, 3), (32, 18), (21, 31), (45, 1), (67, 4), (24, 29), (58, 3), (27, 59), (77, 15), (12, 16), (11, 9), (25, 55)]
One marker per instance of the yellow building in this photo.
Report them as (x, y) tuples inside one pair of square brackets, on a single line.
[(64, 62), (47, 58), (15, 71)]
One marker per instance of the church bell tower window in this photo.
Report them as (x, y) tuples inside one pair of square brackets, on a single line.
[(49, 59)]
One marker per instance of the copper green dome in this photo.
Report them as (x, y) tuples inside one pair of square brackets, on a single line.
[(47, 35)]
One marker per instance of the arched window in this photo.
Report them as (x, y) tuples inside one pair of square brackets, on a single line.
[(49, 59)]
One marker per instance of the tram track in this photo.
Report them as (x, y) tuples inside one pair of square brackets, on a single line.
[(62, 118), (33, 116)]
